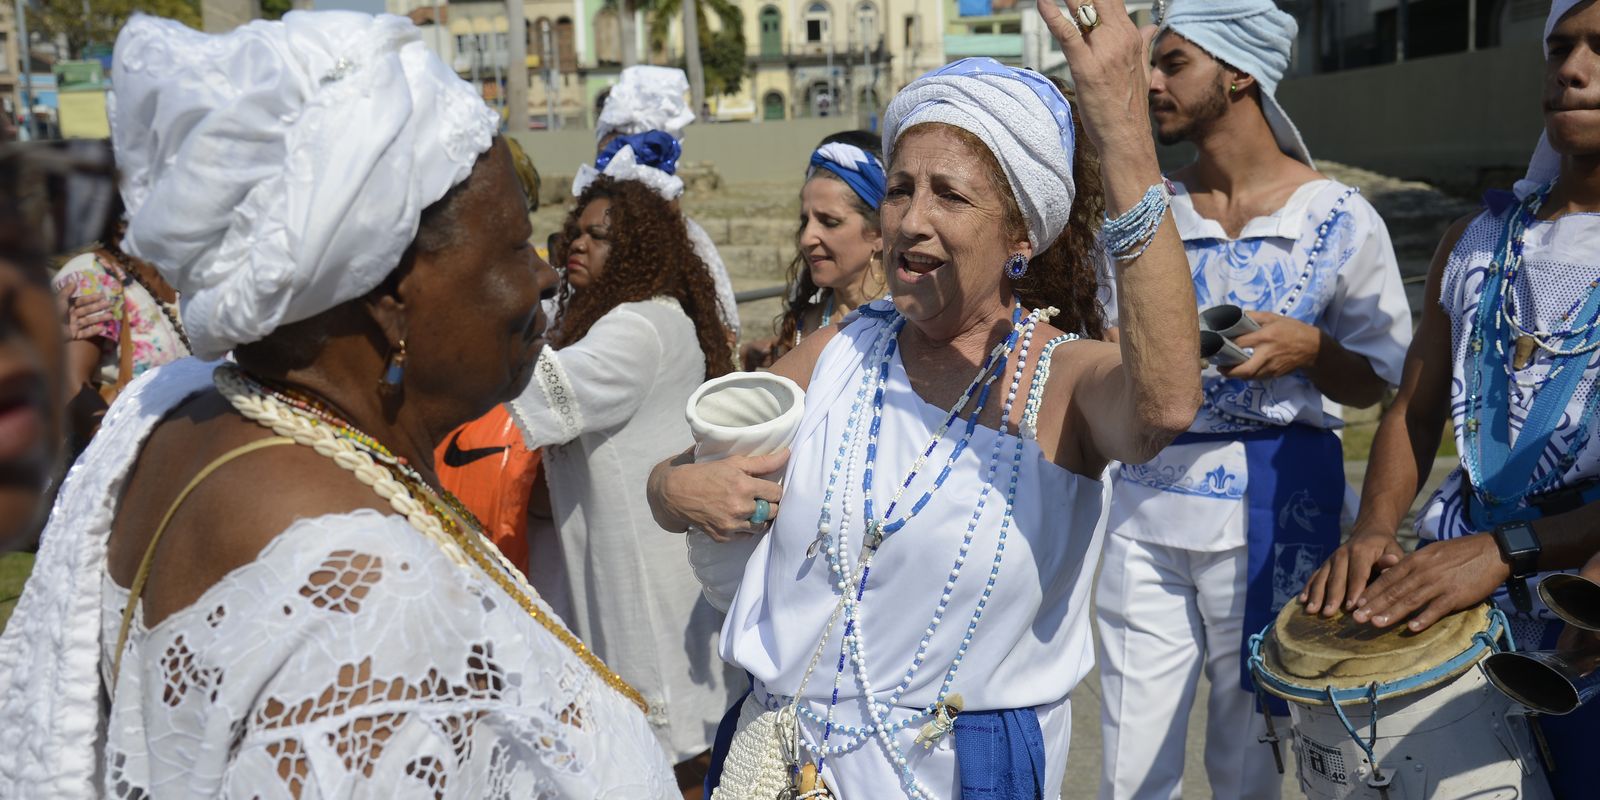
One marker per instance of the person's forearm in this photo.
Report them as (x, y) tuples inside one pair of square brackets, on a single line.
[(1343, 376), (1570, 539), (1157, 315), (1402, 452), (654, 491)]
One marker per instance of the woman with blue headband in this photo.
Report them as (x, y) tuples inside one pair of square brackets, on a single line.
[(838, 262), (918, 613)]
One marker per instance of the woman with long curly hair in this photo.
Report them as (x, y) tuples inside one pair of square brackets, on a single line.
[(637, 332)]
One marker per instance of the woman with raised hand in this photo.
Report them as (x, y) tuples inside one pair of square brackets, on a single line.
[(637, 332), (919, 612), (252, 584), (838, 263)]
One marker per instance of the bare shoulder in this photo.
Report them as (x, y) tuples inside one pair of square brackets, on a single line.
[(231, 515), (798, 364)]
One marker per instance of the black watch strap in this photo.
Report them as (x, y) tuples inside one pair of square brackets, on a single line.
[(1521, 598)]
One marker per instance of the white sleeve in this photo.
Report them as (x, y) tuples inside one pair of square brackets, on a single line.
[(594, 384), (1369, 314), (707, 251)]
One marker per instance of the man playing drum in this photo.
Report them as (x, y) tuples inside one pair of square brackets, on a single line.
[(1507, 349), (1216, 534)]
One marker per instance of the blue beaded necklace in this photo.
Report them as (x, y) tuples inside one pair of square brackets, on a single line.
[(1500, 472), (852, 647)]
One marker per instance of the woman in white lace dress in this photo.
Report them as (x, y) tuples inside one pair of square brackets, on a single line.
[(251, 585)]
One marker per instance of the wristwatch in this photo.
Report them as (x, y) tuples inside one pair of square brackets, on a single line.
[(1520, 548)]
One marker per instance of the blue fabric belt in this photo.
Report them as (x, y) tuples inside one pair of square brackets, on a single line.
[(1000, 753), (1295, 495)]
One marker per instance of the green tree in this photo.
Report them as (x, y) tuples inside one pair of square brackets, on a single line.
[(722, 51), (104, 18)]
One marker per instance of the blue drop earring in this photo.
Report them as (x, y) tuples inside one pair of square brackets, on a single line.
[(1016, 266), (394, 374)]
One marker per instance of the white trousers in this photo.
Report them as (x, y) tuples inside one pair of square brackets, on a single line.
[(1163, 613)]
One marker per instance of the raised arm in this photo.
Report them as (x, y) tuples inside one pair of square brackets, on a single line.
[(1134, 397)]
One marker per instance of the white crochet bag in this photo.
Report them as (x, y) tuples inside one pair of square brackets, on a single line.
[(757, 767), (738, 414)]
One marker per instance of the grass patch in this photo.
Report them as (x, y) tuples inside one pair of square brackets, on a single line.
[(14, 569)]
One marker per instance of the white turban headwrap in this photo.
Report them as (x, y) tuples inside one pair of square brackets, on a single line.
[(1019, 115), (276, 171), (1546, 162), (646, 99), (1254, 36)]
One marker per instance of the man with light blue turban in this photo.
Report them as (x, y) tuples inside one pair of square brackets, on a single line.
[(1211, 538)]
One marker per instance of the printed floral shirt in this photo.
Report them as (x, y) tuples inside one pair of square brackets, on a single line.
[(155, 341)]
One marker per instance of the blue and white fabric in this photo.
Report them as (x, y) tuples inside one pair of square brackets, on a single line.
[(1019, 115), (859, 169), (1559, 263), (651, 158), (1253, 36), (1351, 290), (1035, 642)]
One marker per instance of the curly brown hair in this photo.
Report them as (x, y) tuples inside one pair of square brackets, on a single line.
[(650, 256), (1067, 274)]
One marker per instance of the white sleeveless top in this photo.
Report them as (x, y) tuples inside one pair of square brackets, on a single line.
[(1033, 643), (1559, 262)]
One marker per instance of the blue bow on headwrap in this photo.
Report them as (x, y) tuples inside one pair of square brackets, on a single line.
[(856, 167), (651, 148)]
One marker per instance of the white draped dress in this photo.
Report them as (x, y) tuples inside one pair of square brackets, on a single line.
[(351, 658), (1032, 644), (606, 409)]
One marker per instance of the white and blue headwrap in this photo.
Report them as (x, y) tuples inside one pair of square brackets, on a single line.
[(859, 169), (650, 158), (1253, 36), (1019, 115), (1545, 165)]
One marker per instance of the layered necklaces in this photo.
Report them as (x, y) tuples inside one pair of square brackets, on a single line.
[(1502, 473), (850, 576), (439, 516), (169, 310)]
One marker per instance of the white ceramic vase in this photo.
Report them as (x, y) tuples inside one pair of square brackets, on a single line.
[(738, 414)]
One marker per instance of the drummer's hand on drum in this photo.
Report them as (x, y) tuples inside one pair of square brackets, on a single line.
[(717, 497), (1433, 582), (1341, 580)]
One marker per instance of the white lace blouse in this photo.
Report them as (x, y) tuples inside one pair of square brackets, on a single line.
[(352, 658)]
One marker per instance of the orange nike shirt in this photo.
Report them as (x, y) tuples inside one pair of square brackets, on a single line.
[(485, 464)]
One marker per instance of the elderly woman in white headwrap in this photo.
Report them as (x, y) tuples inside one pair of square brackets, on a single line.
[(648, 99), (918, 614), (251, 585)]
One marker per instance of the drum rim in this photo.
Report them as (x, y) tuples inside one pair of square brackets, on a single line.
[(1483, 643)]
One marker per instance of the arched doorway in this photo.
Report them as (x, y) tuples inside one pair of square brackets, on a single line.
[(772, 107), (608, 37)]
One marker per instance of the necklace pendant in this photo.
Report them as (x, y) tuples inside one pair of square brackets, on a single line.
[(943, 722), (817, 545), (1523, 355), (874, 536)]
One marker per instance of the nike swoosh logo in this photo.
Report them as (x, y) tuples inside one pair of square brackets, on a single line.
[(454, 456)]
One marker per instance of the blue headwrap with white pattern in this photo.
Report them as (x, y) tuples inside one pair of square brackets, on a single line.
[(859, 169)]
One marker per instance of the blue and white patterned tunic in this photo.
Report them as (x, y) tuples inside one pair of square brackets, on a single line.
[(1559, 262), (1191, 496)]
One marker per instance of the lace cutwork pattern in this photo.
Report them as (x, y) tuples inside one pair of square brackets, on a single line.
[(378, 663), (558, 394)]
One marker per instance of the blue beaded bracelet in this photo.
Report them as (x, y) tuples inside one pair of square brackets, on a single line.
[(1128, 236)]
